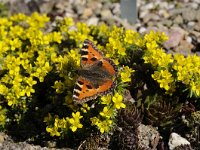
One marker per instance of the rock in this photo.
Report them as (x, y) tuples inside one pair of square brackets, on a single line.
[(191, 24), (178, 20), (148, 137), (184, 47), (164, 13), (193, 5), (198, 15), (95, 5), (148, 6), (176, 140), (142, 30), (150, 16), (46, 7), (175, 35), (148, 29), (189, 39), (3, 137), (167, 22), (116, 9), (189, 14), (177, 11), (92, 21), (79, 9), (197, 26), (106, 14), (87, 13)]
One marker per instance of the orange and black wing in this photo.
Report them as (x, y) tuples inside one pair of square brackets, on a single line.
[(89, 54), (85, 91)]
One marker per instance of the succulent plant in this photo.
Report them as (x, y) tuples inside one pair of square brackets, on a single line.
[(160, 112), (126, 135), (130, 116)]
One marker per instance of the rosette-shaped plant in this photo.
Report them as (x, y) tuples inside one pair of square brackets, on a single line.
[(159, 112), (128, 121)]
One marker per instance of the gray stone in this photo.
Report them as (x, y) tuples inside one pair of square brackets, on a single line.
[(92, 21), (175, 35), (189, 14), (116, 9), (106, 14), (198, 15), (191, 24), (178, 19), (184, 47), (87, 13), (148, 137), (142, 30), (80, 9), (142, 14), (197, 26), (163, 13), (167, 22), (176, 140)]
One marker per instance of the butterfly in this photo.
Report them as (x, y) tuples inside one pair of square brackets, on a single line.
[(97, 74)]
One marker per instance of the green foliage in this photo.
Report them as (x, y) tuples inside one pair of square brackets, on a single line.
[(37, 77), (3, 10)]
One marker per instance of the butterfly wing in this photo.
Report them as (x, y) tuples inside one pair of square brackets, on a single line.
[(85, 91), (93, 60), (90, 55)]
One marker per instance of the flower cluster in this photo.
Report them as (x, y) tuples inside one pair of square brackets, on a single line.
[(169, 70), (38, 67), (188, 71), (105, 119), (164, 78), (126, 74), (20, 43), (59, 126)]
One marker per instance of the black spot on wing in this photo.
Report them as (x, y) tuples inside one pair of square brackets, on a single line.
[(93, 59), (100, 63), (84, 59), (76, 93), (77, 87), (89, 86), (82, 52), (80, 82)]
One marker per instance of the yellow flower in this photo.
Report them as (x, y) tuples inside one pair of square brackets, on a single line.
[(94, 121), (30, 81), (74, 56), (53, 131), (3, 89), (107, 112), (69, 21), (126, 74), (195, 87), (117, 99), (104, 126), (106, 99), (29, 90), (75, 121), (57, 37), (164, 78), (58, 85), (131, 36), (85, 108), (16, 43), (60, 123)]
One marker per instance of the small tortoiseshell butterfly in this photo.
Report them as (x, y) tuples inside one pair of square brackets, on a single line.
[(97, 74)]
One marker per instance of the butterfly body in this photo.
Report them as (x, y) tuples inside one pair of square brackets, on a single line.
[(97, 74)]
